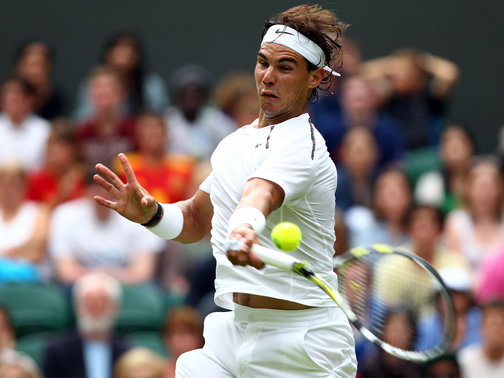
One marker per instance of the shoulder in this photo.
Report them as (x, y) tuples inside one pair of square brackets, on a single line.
[(73, 209), (470, 353), (38, 125), (153, 78), (458, 217), (62, 342)]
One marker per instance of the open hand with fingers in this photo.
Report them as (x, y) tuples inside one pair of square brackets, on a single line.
[(129, 199)]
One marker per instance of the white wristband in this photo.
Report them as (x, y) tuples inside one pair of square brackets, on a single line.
[(171, 224), (247, 215)]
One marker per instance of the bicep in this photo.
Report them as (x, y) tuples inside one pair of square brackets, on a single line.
[(262, 194)]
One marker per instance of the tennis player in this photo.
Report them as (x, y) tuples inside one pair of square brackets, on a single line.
[(275, 169)]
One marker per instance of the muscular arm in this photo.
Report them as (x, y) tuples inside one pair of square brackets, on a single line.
[(263, 195), (135, 203), (266, 196), (198, 212)]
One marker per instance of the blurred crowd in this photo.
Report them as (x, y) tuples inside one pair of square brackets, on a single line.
[(407, 176)]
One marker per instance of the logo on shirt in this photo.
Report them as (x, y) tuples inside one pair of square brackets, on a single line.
[(258, 144)]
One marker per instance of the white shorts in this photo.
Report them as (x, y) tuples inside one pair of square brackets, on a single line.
[(249, 342)]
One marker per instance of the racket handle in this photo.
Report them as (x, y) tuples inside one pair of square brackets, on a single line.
[(267, 255), (276, 258)]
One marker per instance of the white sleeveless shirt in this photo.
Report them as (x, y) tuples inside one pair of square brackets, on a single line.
[(293, 155)]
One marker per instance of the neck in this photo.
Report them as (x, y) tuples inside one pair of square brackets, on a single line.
[(17, 119), (10, 209), (494, 354), (362, 118), (426, 251), (266, 119), (153, 156)]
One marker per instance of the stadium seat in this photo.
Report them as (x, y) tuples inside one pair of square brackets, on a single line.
[(142, 309), (421, 161), (33, 345), (148, 339), (35, 307)]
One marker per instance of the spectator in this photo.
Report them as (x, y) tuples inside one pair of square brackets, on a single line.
[(169, 177), (341, 231), (14, 364), (107, 131), (444, 187), (23, 229), (34, 61), (478, 227), (23, 135), (359, 107), (61, 178), (330, 103), (236, 95), (399, 326), (386, 222), (140, 363), (490, 279), (182, 332), (93, 349), (145, 90), (195, 126), (7, 333), (358, 169), (467, 315), (87, 237), (444, 366), (425, 226), (414, 87), (486, 359)]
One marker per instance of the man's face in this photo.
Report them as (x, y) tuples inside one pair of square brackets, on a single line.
[(283, 82), (106, 92), (14, 102), (492, 327), (96, 311)]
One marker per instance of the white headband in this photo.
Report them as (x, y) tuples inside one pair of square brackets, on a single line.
[(291, 38)]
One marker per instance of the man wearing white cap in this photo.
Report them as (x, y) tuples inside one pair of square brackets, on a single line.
[(273, 170)]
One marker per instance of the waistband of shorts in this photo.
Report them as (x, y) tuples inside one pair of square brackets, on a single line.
[(244, 314)]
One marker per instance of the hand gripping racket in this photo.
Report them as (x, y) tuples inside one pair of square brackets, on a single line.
[(393, 298)]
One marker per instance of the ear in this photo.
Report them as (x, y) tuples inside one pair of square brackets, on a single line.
[(316, 77)]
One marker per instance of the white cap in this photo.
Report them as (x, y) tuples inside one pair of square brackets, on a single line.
[(456, 278)]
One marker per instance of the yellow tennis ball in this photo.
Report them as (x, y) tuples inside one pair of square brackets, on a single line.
[(286, 236)]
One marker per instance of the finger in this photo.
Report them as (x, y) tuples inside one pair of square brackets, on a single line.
[(234, 257), (102, 201), (148, 201), (106, 185), (110, 176), (128, 169), (255, 261)]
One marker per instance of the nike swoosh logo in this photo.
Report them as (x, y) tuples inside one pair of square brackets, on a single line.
[(258, 144), (279, 31)]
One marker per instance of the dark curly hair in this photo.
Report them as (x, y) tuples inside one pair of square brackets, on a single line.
[(322, 27)]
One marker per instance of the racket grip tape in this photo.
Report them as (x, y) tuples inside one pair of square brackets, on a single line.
[(268, 256), (276, 258)]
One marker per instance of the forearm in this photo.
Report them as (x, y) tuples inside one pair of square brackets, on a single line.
[(140, 270), (186, 221), (69, 270), (196, 226)]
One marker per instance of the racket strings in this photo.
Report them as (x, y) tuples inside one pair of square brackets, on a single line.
[(397, 300)]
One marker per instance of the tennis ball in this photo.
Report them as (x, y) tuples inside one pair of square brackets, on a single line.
[(286, 236)]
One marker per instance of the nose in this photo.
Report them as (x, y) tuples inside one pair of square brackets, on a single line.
[(269, 76)]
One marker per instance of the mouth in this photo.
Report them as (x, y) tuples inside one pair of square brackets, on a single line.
[(268, 95)]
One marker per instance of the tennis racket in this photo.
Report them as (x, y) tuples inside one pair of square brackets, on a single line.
[(392, 297)]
